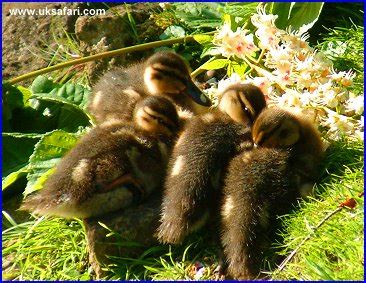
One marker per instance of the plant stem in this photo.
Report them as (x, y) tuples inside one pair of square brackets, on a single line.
[(293, 253), (99, 56)]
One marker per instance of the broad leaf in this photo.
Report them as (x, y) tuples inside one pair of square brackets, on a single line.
[(304, 15), (17, 149), (47, 152), (73, 93), (203, 38), (51, 106), (215, 64), (301, 16), (172, 32), (13, 98), (201, 15)]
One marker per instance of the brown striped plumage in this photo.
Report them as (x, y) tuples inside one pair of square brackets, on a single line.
[(208, 142), (264, 183), (112, 165), (165, 73)]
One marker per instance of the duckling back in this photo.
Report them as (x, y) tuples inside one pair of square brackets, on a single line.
[(264, 183), (115, 95), (114, 164), (260, 185), (194, 173), (85, 182)]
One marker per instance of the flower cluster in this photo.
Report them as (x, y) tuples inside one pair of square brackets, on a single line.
[(293, 75)]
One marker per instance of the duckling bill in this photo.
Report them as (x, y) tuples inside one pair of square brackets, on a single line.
[(113, 165), (264, 183), (164, 73), (201, 153)]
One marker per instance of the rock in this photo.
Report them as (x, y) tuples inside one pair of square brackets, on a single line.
[(24, 37), (137, 224), (112, 31)]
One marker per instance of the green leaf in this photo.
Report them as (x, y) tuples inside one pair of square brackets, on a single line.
[(13, 98), (16, 152), (47, 152), (203, 38), (215, 64), (282, 10), (201, 15), (41, 84), (210, 50), (239, 68), (12, 177), (301, 16), (73, 93), (304, 15), (172, 32)]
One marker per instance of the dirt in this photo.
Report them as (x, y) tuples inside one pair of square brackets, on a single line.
[(27, 38)]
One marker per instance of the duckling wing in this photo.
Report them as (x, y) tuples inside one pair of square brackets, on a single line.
[(81, 186), (259, 186), (116, 93), (194, 174)]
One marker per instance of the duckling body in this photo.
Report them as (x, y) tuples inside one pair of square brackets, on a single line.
[(264, 183), (209, 141), (164, 73), (113, 165)]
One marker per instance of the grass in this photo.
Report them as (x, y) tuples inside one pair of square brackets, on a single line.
[(65, 47), (56, 248), (335, 251), (45, 249)]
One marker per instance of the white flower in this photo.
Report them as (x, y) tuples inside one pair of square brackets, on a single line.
[(291, 98), (337, 122), (355, 104), (261, 19), (237, 43), (330, 99), (344, 78), (165, 5)]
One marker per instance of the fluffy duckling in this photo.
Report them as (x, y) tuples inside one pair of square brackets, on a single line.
[(201, 153), (113, 165), (264, 183), (164, 73)]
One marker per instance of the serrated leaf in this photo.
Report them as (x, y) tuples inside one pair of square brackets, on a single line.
[(203, 38), (72, 93), (47, 152), (215, 64)]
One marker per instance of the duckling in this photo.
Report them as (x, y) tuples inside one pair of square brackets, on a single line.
[(113, 165), (199, 158), (164, 73), (264, 183)]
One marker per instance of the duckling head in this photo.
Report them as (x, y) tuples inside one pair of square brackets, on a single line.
[(157, 115), (242, 102), (276, 127), (167, 73)]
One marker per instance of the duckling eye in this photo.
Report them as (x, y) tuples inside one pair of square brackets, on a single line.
[(284, 134)]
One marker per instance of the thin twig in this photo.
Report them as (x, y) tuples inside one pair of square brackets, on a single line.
[(293, 253), (103, 55)]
